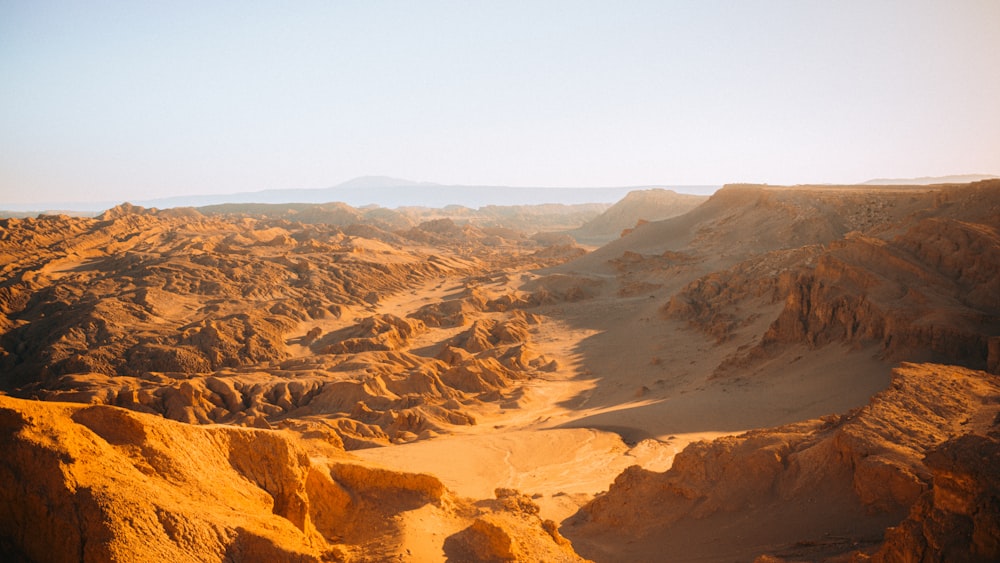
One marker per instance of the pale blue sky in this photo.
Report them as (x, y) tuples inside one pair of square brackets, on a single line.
[(133, 100)]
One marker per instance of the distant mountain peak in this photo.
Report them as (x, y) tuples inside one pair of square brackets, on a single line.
[(363, 182)]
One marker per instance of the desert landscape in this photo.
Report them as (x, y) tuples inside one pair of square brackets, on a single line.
[(769, 373), (438, 281)]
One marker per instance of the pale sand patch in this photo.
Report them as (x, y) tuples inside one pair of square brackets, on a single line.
[(424, 530), (562, 469)]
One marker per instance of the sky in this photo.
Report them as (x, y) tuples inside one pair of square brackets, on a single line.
[(103, 100)]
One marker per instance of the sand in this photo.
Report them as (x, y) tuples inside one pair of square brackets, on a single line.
[(573, 431)]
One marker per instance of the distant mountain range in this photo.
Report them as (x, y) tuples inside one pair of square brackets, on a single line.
[(929, 180), (391, 193), (385, 192)]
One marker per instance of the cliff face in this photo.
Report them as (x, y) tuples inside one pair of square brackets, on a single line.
[(98, 483), (104, 484), (925, 287), (849, 476), (958, 519), (900, 294)]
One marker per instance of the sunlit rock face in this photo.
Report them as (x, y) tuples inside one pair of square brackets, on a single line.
[(855, 473), (958, 519), (99, 483)]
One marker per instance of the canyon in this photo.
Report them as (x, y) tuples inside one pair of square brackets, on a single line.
[(770, 373)]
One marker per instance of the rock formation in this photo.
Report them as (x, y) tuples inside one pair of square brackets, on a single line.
[(847, 476), (191, 317), (206, 384), (958, 519), (98, 483), (924, 288)]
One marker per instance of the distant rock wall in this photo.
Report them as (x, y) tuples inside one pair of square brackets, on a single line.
[(902, 294)]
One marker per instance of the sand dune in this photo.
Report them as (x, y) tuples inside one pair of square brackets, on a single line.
[(762, 375)]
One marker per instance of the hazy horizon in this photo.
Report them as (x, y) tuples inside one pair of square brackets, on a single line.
[(126, 102), (380, 191)]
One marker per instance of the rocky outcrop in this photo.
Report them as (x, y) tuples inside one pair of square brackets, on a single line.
[(192, 317), (452, 312), (966, 253), (363, 400), (112, 296), (958, 519), (506, 530), (486, 334), (380, 333), (930, 293), (442, 231), (364, 389), (98, 483), (563, 287), (123, 210), (862, 469), (866, 290), (70, 476), (722, 302), (467, 306)]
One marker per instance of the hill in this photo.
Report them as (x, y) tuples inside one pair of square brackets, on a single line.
[(637, 206)]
